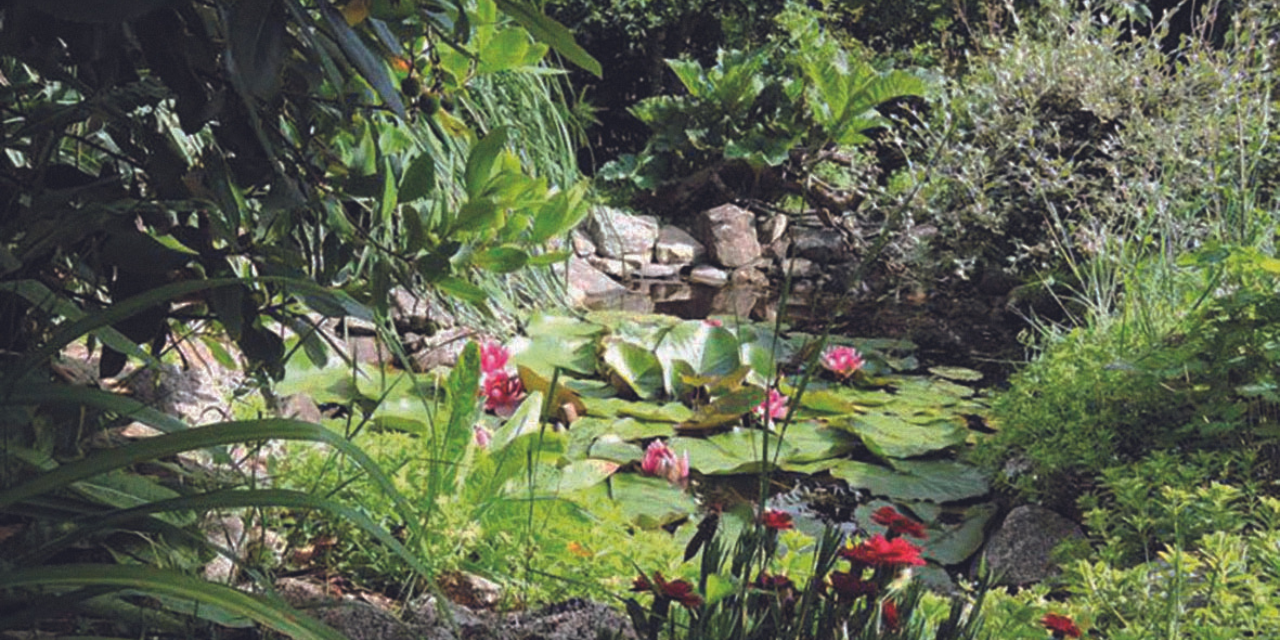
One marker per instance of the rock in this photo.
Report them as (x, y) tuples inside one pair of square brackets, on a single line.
[(587, 281), (735, 301), (676, 246), (442, 349), (670, 292), (708, 275), (470, 590), (652, 270), (617, 233), (750, 276), (773, 228), (729, 233), (819, 245), (1019, 552), (582, 245), (613, 267), (799, 268)]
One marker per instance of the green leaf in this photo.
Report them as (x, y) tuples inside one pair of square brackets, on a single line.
[(275, 615), (956, 373), (711, 351), (731, 453), (633, 366), (482, 163), (553, 33), (461, 289), (255, 43), (369, 66), (419, 179), (501, 259), (889, 435), (935, 481), (650, 502), (582, 474)]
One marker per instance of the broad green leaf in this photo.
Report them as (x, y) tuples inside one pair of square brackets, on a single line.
[(419, 179), (501, 259), (365, 62), (809, 441), (611, 447), (724, 410), (462, 289), (730, 453), (582, 474), (272, 614), (650, 502), (549, 31), (935, 481), (669, 412), (889, 435), (565, 404), (709, 350), (542, 353), (692, 76), (634, 367), (482, 163), (956, 373)]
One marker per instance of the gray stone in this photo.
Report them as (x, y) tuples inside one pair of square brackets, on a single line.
[(670, 292), (652, 270), (729, 233), (613, 267), (676, 246), (587, 281), (750, 276), (617, 234), (773, 228), (1020, 551), (582, 245), (735, 301), (799, 268), (708, 275), (823, 246)]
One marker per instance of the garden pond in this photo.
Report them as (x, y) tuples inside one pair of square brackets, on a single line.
[(598, 390)]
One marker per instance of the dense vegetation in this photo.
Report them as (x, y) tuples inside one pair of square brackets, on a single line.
[(196, 184)]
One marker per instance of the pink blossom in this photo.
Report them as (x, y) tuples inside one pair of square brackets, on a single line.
[(661, 462), (772, 408), (713, 322), (502, 393), (842, 361), (493, 358)]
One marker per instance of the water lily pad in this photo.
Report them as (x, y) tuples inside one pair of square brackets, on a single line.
[(557, 324), (565, 405), (634, 366), (810, 441), (828, 402), (954, 533), (935, 481), (738, 451), (724, 410), (709, 350), (582, 474), (889, 435), (650, 502), (669, 412), (544, 353), (611, 447)]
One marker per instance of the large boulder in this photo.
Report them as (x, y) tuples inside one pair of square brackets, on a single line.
[(1020, 551), (729, 233), (620, 235), (585, 282), (676, 246)]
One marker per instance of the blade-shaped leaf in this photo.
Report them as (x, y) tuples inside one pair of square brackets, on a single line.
[(549, 31), (362, 59)]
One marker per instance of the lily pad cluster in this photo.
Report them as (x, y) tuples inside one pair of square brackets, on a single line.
[(603, 388)]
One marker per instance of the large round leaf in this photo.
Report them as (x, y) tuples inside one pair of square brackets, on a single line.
[(633, 366), (890, 435), (710, 350), (650, 502), (933, 480), (737, 451)]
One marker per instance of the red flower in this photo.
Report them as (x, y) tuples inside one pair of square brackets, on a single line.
[(713, 322), (1061, 626), (889, 613), (842, 361), (502, 393), (493, 358), (878, 551), (850, 586), (776, 519), (898, 524), (679, 590), (772, 582)]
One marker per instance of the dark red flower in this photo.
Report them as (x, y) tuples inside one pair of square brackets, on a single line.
[(679, 590), (503, 392), (889, 613), (1061, 626), (850, 586), (772, 582), (898, 524), (878, 551), (776, 519)]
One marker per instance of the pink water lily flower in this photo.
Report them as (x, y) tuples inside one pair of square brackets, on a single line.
[(502, 393), (773, 407), (842, 361), (661, 462), (493, 358)]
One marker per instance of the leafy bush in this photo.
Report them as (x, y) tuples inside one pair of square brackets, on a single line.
[(756, 125), (1077, 140)]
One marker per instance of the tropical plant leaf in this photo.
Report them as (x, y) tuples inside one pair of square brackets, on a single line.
[(549, 31), (362, 59), (274, 615)]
